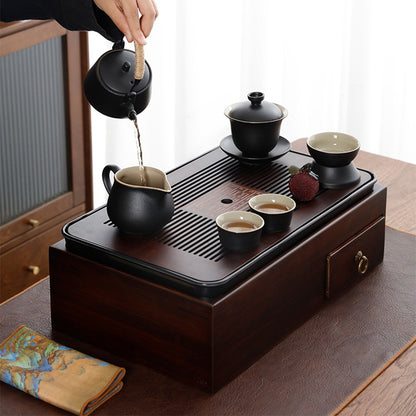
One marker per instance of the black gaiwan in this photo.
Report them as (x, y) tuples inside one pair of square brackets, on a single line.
[(255, 125)]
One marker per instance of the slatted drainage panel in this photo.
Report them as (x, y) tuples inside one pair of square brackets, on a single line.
[(187, 250)]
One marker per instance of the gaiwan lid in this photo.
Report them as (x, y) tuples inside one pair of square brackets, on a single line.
[(255, 110)]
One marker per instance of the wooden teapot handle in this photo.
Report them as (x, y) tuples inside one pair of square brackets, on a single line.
[(140, 63)]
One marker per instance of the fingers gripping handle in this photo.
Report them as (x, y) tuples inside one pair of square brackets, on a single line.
[(140, 63)]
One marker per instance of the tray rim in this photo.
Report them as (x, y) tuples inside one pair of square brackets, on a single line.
[(160, 274)]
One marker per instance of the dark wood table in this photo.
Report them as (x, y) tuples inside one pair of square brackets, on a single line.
[(329, 364)]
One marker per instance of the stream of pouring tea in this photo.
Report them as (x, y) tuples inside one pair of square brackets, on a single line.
[(142, 177)]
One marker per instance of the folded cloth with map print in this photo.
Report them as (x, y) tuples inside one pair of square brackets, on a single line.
[(56, 374)]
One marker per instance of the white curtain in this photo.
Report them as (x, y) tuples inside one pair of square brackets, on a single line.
[(336, 65)]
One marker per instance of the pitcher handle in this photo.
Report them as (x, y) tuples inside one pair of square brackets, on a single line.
[(106, 176)]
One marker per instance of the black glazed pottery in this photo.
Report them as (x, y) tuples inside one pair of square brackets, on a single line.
[(255, 125), (110, 85), (227, 146), (273, 221), (333, 148), (239, 240), (334, 153), (137, 209), (336, 177)]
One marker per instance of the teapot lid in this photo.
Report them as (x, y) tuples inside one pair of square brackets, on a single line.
[(256, 110), (116, 71)]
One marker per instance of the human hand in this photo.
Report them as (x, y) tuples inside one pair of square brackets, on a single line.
[(134, 18)]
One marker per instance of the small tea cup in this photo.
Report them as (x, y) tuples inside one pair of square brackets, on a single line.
[(239, 230), (333, 149), (275, 209)]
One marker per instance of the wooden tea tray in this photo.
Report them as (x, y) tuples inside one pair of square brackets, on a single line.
[(187, 254), (179, 303)]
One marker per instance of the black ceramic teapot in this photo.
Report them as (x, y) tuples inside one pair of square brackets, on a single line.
[(119, 84)]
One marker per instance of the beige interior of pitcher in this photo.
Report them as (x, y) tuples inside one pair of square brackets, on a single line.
[(155, 178)]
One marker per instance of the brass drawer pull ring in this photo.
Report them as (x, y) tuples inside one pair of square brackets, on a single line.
[(362, 262)]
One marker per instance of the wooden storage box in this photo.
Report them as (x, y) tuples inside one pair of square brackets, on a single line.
[(207, 341)]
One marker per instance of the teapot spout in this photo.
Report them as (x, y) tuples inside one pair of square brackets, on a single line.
[(132, 115)]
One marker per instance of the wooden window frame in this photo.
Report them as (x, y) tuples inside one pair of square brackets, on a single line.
[(20, 35)]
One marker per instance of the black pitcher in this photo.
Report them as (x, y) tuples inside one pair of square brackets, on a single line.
[(134, 208)]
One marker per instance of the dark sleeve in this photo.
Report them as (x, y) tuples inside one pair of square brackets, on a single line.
[(71, 14)]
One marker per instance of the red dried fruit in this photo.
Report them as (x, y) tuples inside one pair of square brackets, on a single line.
[(303, 185)]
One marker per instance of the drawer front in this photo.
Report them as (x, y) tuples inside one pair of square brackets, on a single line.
[(28, 225), (354, 259), (26, 264)]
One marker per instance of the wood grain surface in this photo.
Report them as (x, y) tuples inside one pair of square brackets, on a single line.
[(399, 178), (392, 392)]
